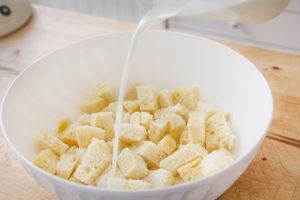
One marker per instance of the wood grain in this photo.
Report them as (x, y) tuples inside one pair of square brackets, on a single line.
[(275, 171)]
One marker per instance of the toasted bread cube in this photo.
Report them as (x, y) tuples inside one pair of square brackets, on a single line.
[(131, 106), (85, 134), (92, 105), (104, 120), (218, 133), (184, 139), (79, 154), (168, 144), (54, 143), (46, 160), (191, 171), (196, 128), (66, 165), (71, 150), (151, 153), (116, 183), (158, 129), (186, 97), (62, 125), (130, 133), (135, 118), (126, 117), (131, 165), (94, 162), (147, 98), (104, 91), (137, 184), (165, 99), (69, 136), (160, 178), (122, 145), (182, 156), (176, 125), (215, 161), (84, 119)]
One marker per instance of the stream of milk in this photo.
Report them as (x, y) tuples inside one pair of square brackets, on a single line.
[(255, 11)]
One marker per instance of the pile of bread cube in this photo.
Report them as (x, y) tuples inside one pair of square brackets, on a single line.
[(167, 137)]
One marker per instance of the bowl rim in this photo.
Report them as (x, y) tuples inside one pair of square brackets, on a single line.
[(168, 189)]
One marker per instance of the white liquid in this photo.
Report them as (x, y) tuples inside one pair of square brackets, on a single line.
[(256, 11)]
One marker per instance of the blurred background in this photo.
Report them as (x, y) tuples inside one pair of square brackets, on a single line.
[(283, 33)]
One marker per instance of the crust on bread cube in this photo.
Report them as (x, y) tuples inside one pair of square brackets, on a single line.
[(196, 128), (94, 162), (66, 165), (160, 178), (54, 143), (147, 98), (131, 165), (190, 171), (165, 98), (131, 133), (85, 134), (158, 129), (168, 144), (92, 105), (150, 152), (215, 161), (104, 120), (46, 160), (218, 133), (183, 156)]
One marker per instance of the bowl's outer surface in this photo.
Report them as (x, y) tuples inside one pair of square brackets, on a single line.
[(53, 87)]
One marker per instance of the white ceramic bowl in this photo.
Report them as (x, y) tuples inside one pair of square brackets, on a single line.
[(54, 85)]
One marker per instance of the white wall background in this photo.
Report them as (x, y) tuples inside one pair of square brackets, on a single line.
[(282, 33)]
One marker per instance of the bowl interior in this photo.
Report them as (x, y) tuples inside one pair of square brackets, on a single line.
[(54, 86)]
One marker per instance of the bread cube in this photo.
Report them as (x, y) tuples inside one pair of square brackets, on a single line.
[(158, 129), (176, 125), (112, 107), (103, 91), (92, 105), (215, 161), (69, 136), (85, 134), (182, 156), (131, 165), (126, 117), (218, 133), (147, 98), (160, 178), (190, 171), (102, 180), (151, 153), (94, 162), (83, 119), (66, 165), (46, 160), (135, 118), (184, 139), (104, 120), (187, 97), (54, 143), (62, 125), (122, 145), (196, 128), (168, 144), (141, 118), (71, 150), (181, 110), (116, 183), (79, 154), (131, 106), (137, 184), (130, 133), (161, 113), (165, 99)]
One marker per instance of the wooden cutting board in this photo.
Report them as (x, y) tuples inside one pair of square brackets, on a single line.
[(275, 171)]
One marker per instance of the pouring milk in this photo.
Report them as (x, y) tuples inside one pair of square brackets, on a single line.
[(250, 11)]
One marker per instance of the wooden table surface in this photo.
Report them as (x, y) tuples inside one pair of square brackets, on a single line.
[(275, 171)]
